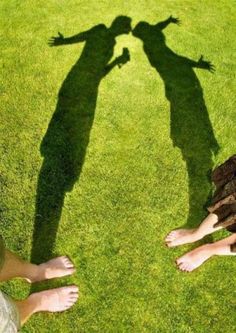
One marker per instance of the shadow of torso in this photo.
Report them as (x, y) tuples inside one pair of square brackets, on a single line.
[(68, 133), (189, 116)]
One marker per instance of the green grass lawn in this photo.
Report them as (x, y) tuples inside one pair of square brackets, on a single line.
[(152, 131)]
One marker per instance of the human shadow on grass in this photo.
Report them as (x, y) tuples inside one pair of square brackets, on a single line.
[(65, 142), (191, 129)]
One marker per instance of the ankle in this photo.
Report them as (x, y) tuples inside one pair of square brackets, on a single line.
[(200, 233), (220, 249), (44, 271), (26, 308), (34, 302), (197, 234), (34, 273), (209, 249)]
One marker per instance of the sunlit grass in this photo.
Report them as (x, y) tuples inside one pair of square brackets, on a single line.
[(134, 185)]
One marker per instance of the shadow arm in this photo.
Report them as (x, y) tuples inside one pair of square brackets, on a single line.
[(203, 64), (61, 40), (110, 66), (119, 61), (162, 25)]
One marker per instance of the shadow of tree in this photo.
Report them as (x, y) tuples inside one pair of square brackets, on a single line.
[(191, 129), (65, 142)]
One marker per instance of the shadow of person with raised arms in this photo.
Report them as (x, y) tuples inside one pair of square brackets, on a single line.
[(191, 129), (65, 142)]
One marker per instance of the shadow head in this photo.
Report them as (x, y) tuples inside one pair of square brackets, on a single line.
[(121, 25), (148, 32)]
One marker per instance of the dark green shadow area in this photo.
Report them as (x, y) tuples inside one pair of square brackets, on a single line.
[(65, 142), (191, 129)]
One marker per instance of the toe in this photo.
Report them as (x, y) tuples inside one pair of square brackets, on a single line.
[(74, 296), (74, 289), (171, 235), (181, 266), (65, 259), (71, 271), (172, 243), (69, 264), (168, 237), (185, 267), (179, 260), (73, 299), (190, 268), (67, 306), (62, 258)]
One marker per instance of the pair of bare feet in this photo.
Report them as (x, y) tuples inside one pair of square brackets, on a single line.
[(194, 258), (54, 300)]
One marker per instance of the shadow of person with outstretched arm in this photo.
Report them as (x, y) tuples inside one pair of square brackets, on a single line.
[(191, 129), (65, 142)]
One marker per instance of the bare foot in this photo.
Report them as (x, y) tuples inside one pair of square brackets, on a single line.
[(195, 258), (54, 300), (54, 268), (181, 236)]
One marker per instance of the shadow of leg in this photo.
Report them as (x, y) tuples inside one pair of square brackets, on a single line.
[(199, 184), (49, 203)]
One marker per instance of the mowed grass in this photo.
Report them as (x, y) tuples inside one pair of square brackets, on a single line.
[(133, 187)]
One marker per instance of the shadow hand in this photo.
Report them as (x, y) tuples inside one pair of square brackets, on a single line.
[(124, 58), (174, 20), (206, 64), (56, 41)]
